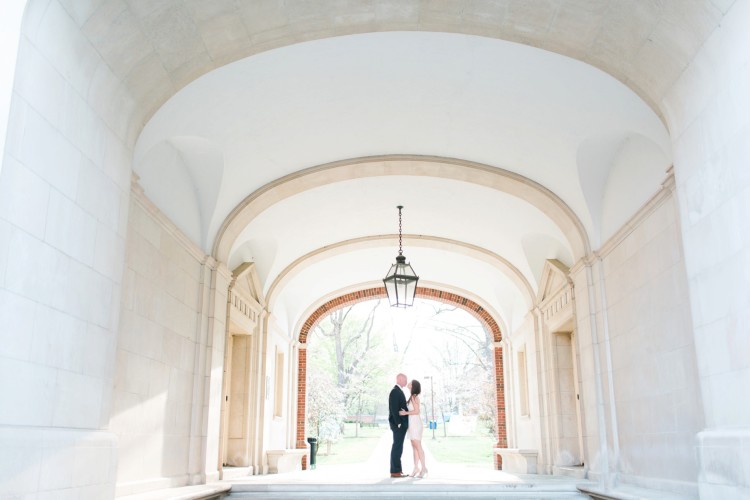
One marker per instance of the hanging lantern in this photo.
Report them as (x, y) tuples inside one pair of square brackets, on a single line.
[(401, 280)]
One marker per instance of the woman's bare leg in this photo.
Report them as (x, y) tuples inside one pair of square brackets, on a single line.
[(415, 453), (420, 452)]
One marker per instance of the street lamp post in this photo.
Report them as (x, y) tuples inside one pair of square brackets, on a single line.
[(432, 399)]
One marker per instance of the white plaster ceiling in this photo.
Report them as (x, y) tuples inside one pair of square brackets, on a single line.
[(561, 123), (286, 105)]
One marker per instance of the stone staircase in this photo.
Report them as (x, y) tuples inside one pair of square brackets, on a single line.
[(410, 491)]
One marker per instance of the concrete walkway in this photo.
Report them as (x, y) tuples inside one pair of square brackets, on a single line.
[(371, 479), (377, 468)]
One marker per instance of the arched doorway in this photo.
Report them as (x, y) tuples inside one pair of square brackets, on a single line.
[(468, 305)]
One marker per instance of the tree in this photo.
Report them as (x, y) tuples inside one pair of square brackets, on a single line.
[(352, 340), (466, 361), (357, 352), (349, 345), (325, 409)]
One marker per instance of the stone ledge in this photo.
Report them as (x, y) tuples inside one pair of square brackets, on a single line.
[(627, 492), (289, 460), (213, 491), (518, 461), (576, 471), (232, 472)]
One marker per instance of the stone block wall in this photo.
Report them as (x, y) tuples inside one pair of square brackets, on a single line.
[(639, 376), (708, 112), (158, 352), (654, 378), (64, 191)]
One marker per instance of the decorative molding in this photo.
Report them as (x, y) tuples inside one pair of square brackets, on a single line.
[(669, 181), (552, 268), (583, 263), (657, 200), (246, 277), (223, 271), (135, 186), (555, 304), (244, 306), (560, 304), (139, 196), (666, 192)]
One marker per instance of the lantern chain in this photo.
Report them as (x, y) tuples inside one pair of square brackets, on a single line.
[(400, 250)]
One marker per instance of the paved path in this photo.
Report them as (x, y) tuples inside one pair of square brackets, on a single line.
[(381, 456), (376, 470)]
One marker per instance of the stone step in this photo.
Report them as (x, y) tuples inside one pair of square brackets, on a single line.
[(236, 472), (211, 491), (576, 471), (407, 491)]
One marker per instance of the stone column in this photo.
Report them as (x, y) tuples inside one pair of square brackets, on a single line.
[(64, 194), (198, 430), (592, 363), (214, 356), (546, 456)]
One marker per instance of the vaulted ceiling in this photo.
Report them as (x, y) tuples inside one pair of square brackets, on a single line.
[(286, 132)]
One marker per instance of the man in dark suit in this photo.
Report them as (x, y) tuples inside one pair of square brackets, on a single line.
[(399, 424)]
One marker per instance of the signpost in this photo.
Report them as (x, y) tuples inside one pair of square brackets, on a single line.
[(433, 422)]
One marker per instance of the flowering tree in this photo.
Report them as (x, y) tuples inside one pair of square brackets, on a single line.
[(465, 359), (325, 409)]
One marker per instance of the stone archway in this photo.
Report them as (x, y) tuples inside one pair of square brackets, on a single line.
[(468, 305)]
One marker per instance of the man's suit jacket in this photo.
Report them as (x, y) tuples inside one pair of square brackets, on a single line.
[(397, 402)]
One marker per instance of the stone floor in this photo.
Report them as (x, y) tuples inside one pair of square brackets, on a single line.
[(372, 480)]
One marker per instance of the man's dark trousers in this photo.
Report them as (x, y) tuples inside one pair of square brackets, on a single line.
[(397, 449), (399, 424)]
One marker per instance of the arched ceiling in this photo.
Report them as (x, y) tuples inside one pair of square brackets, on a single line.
[(242, 98), (157, 47)]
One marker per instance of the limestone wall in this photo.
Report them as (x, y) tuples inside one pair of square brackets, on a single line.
[(639, 377), (158, 347), (708, 111), (524, 406), (279, 413), (654, 376), (64, 189)]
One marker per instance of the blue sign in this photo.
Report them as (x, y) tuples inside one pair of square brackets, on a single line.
[(433, 424)]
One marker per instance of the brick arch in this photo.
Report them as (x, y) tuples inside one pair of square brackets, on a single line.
[(424, 293), (467, 305)]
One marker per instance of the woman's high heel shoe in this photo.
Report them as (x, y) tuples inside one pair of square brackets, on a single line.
[(423, 473), (414, 474)]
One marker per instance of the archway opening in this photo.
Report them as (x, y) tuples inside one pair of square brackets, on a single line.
[(447, 342)]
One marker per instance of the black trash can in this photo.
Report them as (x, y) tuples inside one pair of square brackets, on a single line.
[(313, 450)]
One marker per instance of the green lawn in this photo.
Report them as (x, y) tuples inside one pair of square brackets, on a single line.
[(350, 449), (474, 450), (467, 450)]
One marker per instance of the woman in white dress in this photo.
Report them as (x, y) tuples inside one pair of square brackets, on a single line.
[(414, 431)]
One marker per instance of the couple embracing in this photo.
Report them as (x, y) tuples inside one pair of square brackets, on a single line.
[(403, 417)]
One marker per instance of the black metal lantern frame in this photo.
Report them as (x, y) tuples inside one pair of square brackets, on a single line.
[(401, 280)]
